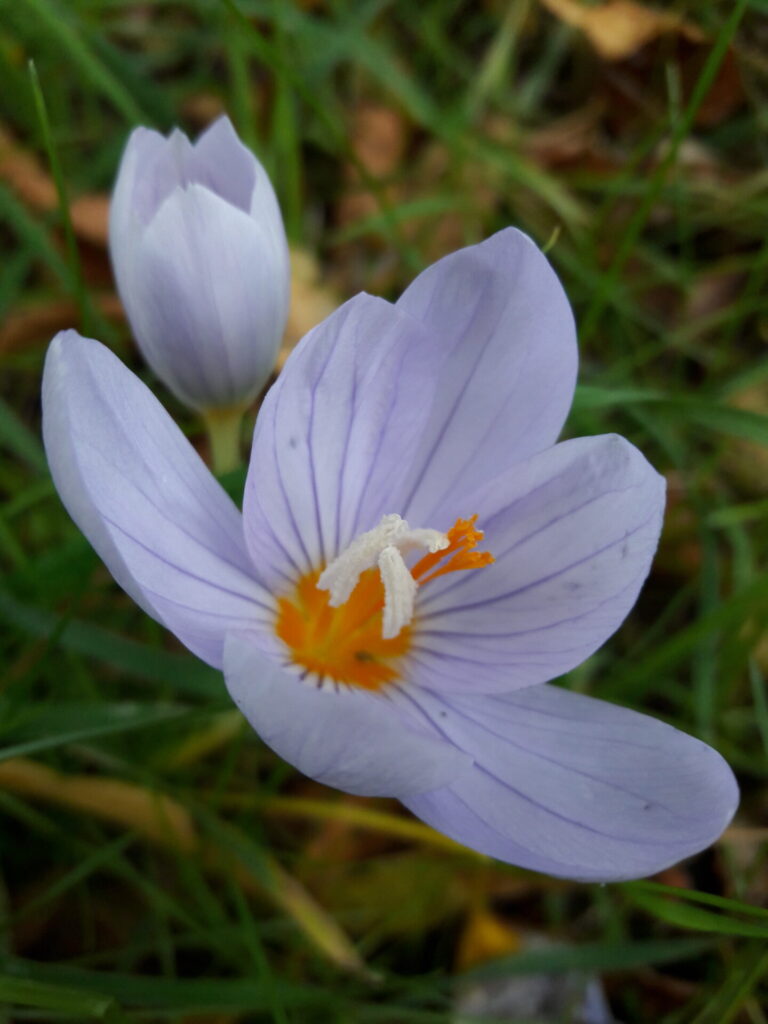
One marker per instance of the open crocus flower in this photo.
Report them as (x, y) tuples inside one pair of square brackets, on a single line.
[(201, 263), (415, 555)]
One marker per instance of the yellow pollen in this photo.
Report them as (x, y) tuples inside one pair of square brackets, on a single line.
[(345, 644)]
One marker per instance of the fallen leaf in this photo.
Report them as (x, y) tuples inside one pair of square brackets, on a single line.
[(619, 28), (712, 291), (311, 300), (567, 139), (36, 323), (393, 826), (746, 462), (167, 823), (378, 138), (152, 815), (679, 551), (90, 218), (203, 108), (398, 893), (724, 96), (484, 937), (22, 171)]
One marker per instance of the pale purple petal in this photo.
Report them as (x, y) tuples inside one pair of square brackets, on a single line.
[(380, 411), (223, 164), (333, 436), (575, 787), (506, 358), (152, 166), (135, 198), (142, 496), (573, 530), (206, 300), (347, 737), (201, 262)]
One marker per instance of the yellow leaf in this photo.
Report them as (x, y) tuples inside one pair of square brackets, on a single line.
[(166, 822), (152, 815), (311, 300), (485, 937), (619, 28)]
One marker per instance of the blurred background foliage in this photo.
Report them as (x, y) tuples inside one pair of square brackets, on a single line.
[(157, 862)]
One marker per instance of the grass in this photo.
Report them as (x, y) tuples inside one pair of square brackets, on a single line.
[(157, 863)]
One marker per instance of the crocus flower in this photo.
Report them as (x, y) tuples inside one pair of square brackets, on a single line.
[(201, 263), (415, 560)]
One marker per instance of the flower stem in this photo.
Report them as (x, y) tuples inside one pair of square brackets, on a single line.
[(224, 428)]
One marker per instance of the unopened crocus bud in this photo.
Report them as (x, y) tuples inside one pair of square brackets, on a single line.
[(201, 261)]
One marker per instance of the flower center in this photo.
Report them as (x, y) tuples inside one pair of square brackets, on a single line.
[(351, 621)]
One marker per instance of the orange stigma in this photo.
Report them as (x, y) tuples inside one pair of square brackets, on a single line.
[(462, 538), (345, 644)]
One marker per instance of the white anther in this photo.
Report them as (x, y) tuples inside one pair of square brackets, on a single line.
[(399, 592), (341, 576), (383, 545), (432, 540)]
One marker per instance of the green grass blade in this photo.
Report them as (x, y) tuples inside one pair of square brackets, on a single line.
[(56, 23)]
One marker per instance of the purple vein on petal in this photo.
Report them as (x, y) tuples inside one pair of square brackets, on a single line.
[(183, 569), (524, 796), (471, 637), (544, 579)]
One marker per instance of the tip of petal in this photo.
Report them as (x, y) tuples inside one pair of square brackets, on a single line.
[(69, 341), (222, 130), (143, 136), (577, 788)]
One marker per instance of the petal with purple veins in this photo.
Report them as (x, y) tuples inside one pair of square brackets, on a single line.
[(573, 531), (137, 489), (408, 409), (350, 738), (575, 787), (333, 436), (505, 358)]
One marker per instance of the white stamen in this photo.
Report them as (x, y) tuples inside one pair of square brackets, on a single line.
[(383, 545), (432, 540), (399, 592)]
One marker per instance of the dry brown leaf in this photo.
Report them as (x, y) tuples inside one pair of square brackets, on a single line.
[(454, 227), (619, 28), (565, 139), (33, 324), (90, 218), (725, 95), (22, 171), (679, 551), (677, 877), (378, 136), (576, 140), (335, 841), (745, 835), (202, 108), (311, 300), (711, 292), (746, 462)]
